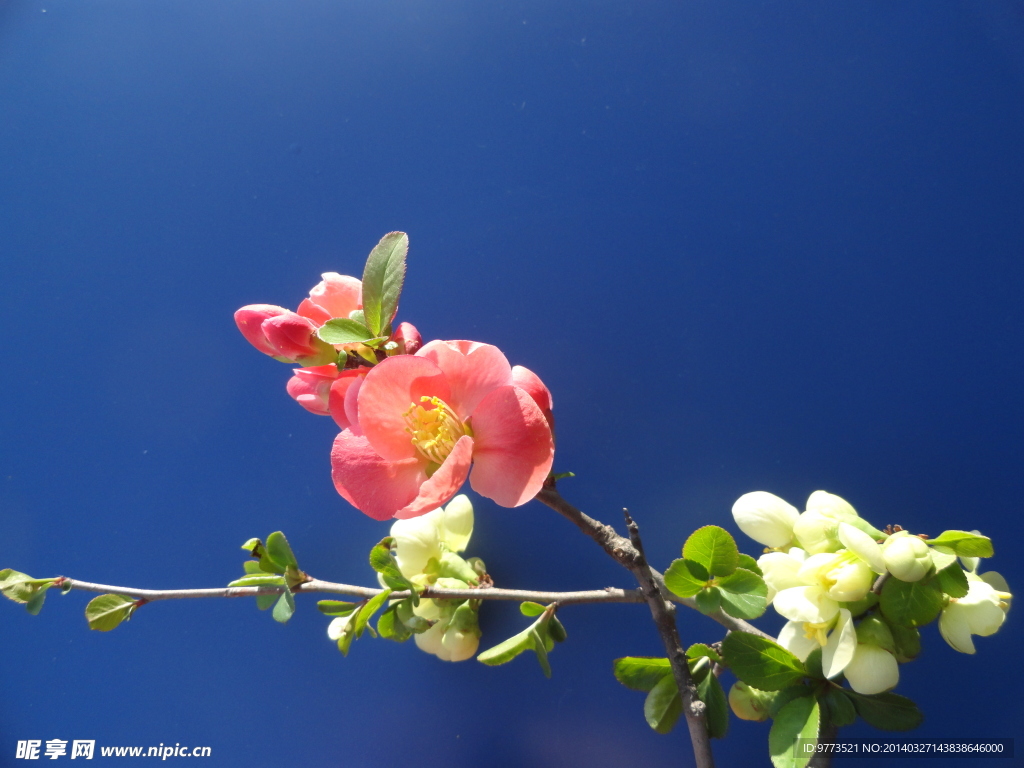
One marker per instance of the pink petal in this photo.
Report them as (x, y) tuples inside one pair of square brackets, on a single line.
[(444, 483), (311, 387), (294, 337), (352, 406), (514, 449), (339, 390), (249, 320), (390, 389), (472, 369), (311, 311), (526, 379), (383, 489), (336, 295)]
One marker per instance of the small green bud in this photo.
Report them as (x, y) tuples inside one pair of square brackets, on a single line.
[(749, 703), (874, 631), (907, 557)]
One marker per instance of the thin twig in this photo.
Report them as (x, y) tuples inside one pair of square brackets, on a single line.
[(664, 614)]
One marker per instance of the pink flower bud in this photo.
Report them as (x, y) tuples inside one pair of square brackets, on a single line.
[(294, 338), (334, 296), (408, 339), (250, 319)]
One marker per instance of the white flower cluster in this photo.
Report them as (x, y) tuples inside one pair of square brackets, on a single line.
[(821, 569)]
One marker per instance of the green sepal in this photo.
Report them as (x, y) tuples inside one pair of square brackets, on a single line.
[(708, 600), (685, 578), (531, 609), (641, 673), (383, 562), (887, 711), (342, 330), (952, 580), (367, 611), (561, 476), (838, 708), (744, 594), (760, 662), (383, 276), (799, 720), (415, 624), (714, 548), (911, 603), (285, 607), (964, 544), (335, 607), (107, 611), (663, 704)]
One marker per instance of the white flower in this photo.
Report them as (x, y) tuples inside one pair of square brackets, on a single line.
[(872, 670), (455, 635), (817, 529), (765, 518), (825, 580), (865, 547), (419, 539), (980, 612), (841, 647), (907, 557), (779, 570), (338, 626)]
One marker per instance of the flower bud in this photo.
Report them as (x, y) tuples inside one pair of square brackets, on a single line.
[(765, 518), (817, 533), (311, 387), (907, 557), (874, 631), (294, 337), (750, 703), (872, 670), (407, 338), (250, 319), (334, 296)]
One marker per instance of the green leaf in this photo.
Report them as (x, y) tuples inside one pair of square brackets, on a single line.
[(714, 548), (416, 624), (107, 611), (35, 605), (786, 695), (341, 330), (708, 600), (507, 650), (556, 630), (262, 579), (699, 650), (744, 594), (641, 673), (838, 708), (859, 607), (907, 641), (796, 724), (345, 641), (279, 550), (685, 578), (965, 544), (335, 607), (540, 648), (375, 602), (252, 568), (952, 580), (813, 664), (711, 693), (942, 557), (252, 545), (266, 600), (20, 587), (913, 603), (663, 704), (531, 609), (760, 662), (382, 280), (285, 607), (390, 627), (887, 711), (383, 562), (746, 561)]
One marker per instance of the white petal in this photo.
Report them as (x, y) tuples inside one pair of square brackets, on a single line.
[(432, 641), (872, 670), (337, 626), (795, 640), (863, 546), (806, 604), (780, 571), (841, 646), (416, 541), (765, 518), (457, 523), (954, 629), (831, 505)]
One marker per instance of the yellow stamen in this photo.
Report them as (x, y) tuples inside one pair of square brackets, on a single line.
[(435, 429)]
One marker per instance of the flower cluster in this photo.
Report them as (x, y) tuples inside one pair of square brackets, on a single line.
[(826, 568), (427, 552), (417, 419)]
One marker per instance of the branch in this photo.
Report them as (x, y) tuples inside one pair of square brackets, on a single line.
[(606, 595)]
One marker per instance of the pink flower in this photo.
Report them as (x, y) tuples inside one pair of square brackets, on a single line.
[(427, 419)]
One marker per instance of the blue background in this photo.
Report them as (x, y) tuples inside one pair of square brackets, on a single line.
[(747, 245)]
